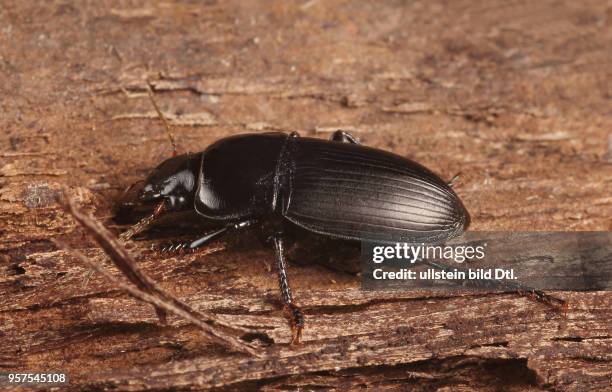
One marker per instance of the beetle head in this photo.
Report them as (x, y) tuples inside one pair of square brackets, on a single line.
[(172, 183)]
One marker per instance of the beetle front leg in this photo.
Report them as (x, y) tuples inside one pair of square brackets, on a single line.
[(189, 246), (295, 314), (208, 237), (344, 137)]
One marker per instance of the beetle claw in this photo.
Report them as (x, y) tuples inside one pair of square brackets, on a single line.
[(296, 335), (296, 320)]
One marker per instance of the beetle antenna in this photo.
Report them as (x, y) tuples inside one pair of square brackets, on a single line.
[(163, 118)]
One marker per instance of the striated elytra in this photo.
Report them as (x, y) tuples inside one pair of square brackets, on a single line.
[(337, 188)]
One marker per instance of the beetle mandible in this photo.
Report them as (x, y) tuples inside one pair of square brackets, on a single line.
[(336, 188)]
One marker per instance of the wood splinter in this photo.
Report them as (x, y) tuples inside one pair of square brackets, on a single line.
[(146, 290)]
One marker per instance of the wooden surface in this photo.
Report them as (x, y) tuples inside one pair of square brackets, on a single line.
[(517, 96)]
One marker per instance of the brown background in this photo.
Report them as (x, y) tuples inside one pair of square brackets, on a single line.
[(514, 95)]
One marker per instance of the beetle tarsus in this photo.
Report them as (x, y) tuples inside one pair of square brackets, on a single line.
[(297, 322), (520, 289), (540, 296), (296, 318)]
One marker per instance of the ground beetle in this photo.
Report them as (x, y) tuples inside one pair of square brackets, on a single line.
[(337, 188)]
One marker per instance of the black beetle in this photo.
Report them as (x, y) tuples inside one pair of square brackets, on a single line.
[(336, 188)]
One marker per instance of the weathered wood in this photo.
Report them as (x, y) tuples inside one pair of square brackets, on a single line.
[(142, 287), (515, 96)]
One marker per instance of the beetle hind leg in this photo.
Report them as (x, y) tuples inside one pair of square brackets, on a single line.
[(517, 288), (296, 317), (344, 137)]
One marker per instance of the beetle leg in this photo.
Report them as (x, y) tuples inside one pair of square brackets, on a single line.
[(209, 237), (344, 137), (206, 239), (189, 246), (519, 289), (295, 314)]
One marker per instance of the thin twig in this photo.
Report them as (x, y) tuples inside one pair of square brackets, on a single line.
[(146, 289)]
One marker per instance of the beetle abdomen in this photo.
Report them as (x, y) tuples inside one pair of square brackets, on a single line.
[(355, 192)]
